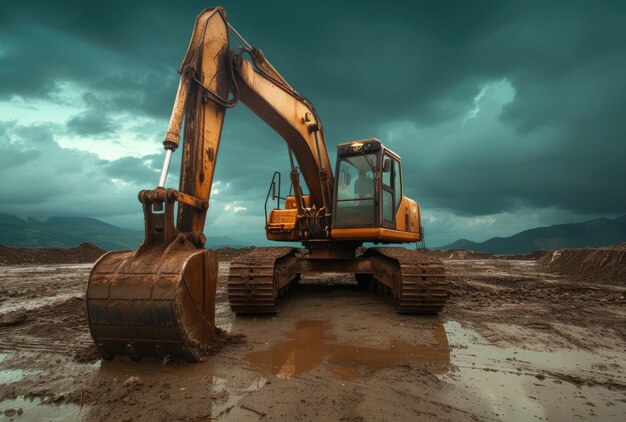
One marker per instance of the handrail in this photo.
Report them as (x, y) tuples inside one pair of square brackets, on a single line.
[(271, 189)]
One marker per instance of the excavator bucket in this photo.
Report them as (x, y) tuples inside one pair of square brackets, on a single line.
[(160, 299), (153, 303)]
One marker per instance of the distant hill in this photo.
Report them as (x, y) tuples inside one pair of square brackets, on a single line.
[(67, 232), (598, 232), (461, 244)]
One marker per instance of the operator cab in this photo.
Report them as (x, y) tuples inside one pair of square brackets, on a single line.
[(368, 201), (368, 185)]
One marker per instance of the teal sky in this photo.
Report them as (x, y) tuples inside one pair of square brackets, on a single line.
[(507, 114)]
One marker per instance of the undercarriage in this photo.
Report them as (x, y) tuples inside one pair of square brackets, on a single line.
[(415, 282)]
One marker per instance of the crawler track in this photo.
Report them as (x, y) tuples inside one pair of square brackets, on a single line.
[(258, 278), (417, 282)]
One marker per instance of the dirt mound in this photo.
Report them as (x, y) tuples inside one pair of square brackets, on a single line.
[(606, 264), (461, 254), (84, 253), (227, 254), (534, 255), (223, 339), (469, 254)]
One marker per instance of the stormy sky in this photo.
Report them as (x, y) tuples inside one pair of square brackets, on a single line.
[(507, 114)]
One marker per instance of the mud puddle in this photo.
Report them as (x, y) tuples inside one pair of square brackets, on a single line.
[(512, 383), (200, 391), (475, 350), (312, 344), (521, 385), (8, 376), (37, 410)]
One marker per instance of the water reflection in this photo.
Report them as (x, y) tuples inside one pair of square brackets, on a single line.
[(516, 384), (312, 343)]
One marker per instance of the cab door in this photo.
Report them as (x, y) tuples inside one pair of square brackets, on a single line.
[(391, 190), (355, 202)]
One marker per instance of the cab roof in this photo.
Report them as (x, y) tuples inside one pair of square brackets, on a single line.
[(369, 144)]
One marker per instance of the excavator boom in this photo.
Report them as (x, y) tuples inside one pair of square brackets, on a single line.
[(208, 70)]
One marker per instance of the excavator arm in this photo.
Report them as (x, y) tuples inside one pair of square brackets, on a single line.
[(160, 299)]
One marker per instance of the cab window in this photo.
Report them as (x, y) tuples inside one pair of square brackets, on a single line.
[(355, 191)]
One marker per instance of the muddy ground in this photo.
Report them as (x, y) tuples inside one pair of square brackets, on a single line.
[(515, 342)]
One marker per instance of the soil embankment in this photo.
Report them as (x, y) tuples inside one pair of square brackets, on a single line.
[(469, 254), (603, 264), (83, 253)]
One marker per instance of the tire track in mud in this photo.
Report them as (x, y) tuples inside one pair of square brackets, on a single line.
[(50, 299), (32, 287), (59, 327)]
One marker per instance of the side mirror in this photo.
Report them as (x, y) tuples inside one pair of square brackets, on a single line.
[(386, 165)]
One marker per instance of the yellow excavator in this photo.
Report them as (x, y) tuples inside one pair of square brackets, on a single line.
[(160, 299)]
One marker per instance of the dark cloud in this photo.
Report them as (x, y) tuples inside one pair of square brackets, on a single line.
[(90, 123), (42, 173), (124, 54), (410, 73), (12, 157), (134, 170)]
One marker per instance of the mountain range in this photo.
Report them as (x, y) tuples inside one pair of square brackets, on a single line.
[(597, 232), (67, 232), (72, 231)]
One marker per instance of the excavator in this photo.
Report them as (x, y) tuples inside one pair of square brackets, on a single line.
[(160, 299)]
